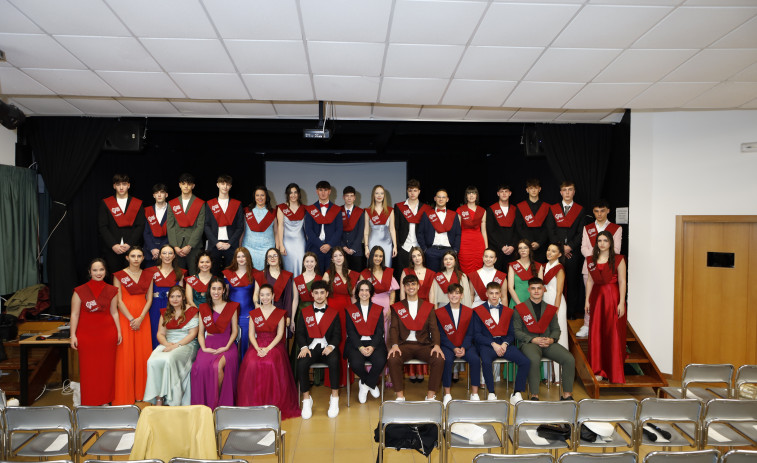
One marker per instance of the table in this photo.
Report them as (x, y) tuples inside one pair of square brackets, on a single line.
[(32, 342)]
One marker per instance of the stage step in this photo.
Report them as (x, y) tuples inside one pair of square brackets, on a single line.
[(637, 354)]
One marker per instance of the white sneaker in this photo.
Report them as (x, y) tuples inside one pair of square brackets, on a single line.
[(333, 407), (362, 394), (432, 399), (491, 396), (400, 399), (375, 392), (447, 398), (307, 408), (474, 397), (583, 332), (515, 398)]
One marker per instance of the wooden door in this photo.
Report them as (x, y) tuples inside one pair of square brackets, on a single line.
[(716, 307)]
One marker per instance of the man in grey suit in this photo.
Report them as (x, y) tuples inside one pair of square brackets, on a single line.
[(185, 224)]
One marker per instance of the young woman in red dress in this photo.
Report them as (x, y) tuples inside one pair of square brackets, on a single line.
[(342, 283), (415, 373), (279, 279), (473, 239)]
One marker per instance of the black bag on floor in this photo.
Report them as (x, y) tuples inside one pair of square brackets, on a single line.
[(423, 437)]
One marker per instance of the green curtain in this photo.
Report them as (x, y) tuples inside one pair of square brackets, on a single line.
[(19, 219)]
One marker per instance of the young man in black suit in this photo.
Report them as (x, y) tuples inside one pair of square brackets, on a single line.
[(407, 218), (439, 231), (501, 228), (120, 221), (224, 224)]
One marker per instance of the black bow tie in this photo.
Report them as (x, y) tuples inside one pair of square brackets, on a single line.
[(323, 310)]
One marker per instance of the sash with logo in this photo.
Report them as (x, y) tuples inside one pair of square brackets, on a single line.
[(523, 273), (439, 226), (160, 280), (469, 217), (235, 280), (496, 329), (218, 326), (339, 285), (478, 284), (426, 283), (123, 219), (224, 219), (378, 218), (443, 282), (156, 228), (134, 287), (188, 218), (455, 335), (502, 219), (280, 285), (365, 327), (270, 324), (315, 212), (318, 330), (173, 324), (602, 275), (349, 224), (592, 231), (529, 320), (407, 213), (413, 324), (196, 284), (566, 221), (379, 286), (552, 273), (253, 223), (293, 216), (101, 303), (302, 287), (531, 220)]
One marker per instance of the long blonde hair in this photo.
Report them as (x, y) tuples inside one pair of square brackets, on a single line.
[(171, 311), (384, 207)]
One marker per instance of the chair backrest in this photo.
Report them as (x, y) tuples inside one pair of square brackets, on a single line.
[(38, 418), (119, 461), (237, 418), (194, 460), (693, 456), (746, 374), (653, 408), (740, 456), (410, 412), (113, 417), (730, 410), (580, 457), (707, 373), (527, 411), (3, 400), (474, 411), (607, 410), (528, 458)]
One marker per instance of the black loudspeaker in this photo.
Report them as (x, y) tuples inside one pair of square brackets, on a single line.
[(533, 143), (124, 136)]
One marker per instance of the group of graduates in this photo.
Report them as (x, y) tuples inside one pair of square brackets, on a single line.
[(208, 321)]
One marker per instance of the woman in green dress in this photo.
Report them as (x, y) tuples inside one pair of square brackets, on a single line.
[(520, 271), (197, 285)]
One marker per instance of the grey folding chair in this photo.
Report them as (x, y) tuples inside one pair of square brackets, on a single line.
[(692, 456), (665, 413), (51, 429), (110, 428), (246, 427), (700, 373), (607, 411), (414, 413), (530, 414), (746, 374), (195, 460), (550, 364), (312, 367), (119, 461), (579, 457), (740, 456), (728, 423), (486, 414), (529, 458), (499, 362), (349, 386), (463, 362)]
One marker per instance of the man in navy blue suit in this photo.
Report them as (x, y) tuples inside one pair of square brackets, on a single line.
[(323, 225), (439, 232), (224, 224)]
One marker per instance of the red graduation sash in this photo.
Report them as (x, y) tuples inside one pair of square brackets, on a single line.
[(188, 218), (235, 280), (379, 286), (443, 282), (552, 273), (428, 280), (348, 224), (531, 220), (123, 219), (365, 327), (468, 216), (318, 330), (378, 219), (224, 219), (602, 275), (266, 324), (529, 320), (315, 212), (156, 228), (439, 226), (196, 284), (217, 327), (279, 285), (407, 213), (293, 216), (455, 335), (101, 303), (173, 324), (160, 280), (416, 324), (496, 329), (134, 287), (478, 284), (340, 286), (302, 287), (566, 221), (591, 230), (502, 219), (253, 223), (523, 273)]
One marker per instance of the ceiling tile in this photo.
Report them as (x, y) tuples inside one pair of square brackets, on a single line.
[(719, 2), (643, 65), (13, 21), (751, 105), (150, 107), (570, 64), (443, 113), (72, 82), (142, 84), (399, 90), (346, 58), (36, 50), (189, 55), (636, 2), (285, 87), (542, 94), (618, 26), (747, 75), (668, 95), (15, 82), (500, 63), (489, 114), (165, 18), (47, 106), (504, 24), (306, 110), (437, 22), (261, 19), (694, 27), (211, 86), (422, 60), (582, 116), (200, 108), (384, 111), (477, 92), (73, 17), (725, 95), (594, 96), (346, 88), (353, 111), (268, 56), (745, 36), (253, 109), (536, 115), (24, 109), (109, 53), (346, 20), (713, 65), (101, 107)]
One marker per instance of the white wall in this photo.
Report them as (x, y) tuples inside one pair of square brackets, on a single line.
[(682, 163), (7, 146)]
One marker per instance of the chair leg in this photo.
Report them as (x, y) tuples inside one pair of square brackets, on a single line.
[(348, 384)]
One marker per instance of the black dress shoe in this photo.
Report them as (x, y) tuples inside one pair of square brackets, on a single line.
[(455, 380), (570, 397), (534, 398)]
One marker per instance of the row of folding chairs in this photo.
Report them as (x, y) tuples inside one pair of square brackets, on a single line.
[(721, 374), (172, 460), (621, 423), (694, 456)]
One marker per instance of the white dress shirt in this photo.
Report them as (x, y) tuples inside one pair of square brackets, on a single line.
[(322, 235), (223, 234), (412, 307), (319, 341), (411, 239), (365, 309), (441, 239)]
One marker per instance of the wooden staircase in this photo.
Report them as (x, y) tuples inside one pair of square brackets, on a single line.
[(637, 354)]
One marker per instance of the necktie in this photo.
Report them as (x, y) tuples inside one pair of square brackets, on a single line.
[(349, 212), (441, 210), (323, 310), (566, 209)]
